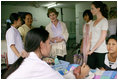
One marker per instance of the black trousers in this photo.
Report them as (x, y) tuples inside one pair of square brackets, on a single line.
[(62, 58), (96, 60)]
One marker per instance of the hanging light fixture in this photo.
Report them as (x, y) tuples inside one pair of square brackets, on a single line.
[(52, 5)]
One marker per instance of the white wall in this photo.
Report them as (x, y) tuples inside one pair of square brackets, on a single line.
[(69, 19), (39, 14), (3, 46), (80, 7), (68, 14)]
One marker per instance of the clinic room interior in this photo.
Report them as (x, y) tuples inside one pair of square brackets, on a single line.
[(70, 16)]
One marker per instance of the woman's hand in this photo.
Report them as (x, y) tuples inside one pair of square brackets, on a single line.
[(89, 52), (102, 69), (24, 54), (59, 39), (84, 71), (54, 39)]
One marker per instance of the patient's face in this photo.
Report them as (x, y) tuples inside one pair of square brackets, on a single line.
[(112, 46), (77, 70)]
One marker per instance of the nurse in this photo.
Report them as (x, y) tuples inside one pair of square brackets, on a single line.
[(33, 67)]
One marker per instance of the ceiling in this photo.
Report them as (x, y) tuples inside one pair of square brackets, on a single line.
[(37, 4)]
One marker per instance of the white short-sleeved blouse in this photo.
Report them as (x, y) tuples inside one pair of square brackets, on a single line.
[(13, 37), (96, 34)]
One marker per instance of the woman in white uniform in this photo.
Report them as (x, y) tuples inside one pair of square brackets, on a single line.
[(97, 43), (13, 38), (37, 45)]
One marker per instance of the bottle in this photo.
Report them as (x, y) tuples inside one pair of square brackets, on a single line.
[(56, 61)]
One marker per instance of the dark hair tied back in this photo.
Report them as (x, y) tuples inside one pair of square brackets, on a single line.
[(14, 17), (12, 68), (34, 37), (103, 8)]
